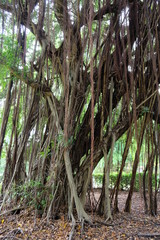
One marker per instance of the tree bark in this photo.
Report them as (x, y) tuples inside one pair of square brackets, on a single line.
[(124, 157), (107, 205), (134, 169), (82, 215), (144, 189), (7, 107)]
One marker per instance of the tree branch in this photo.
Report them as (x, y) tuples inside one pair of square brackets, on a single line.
[(61, 13), (108, 8), (6, 7)]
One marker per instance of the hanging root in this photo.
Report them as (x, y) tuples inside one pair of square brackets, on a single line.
[(82, 215), (109, 219), (79, 207), (51, 204), (73, 227)]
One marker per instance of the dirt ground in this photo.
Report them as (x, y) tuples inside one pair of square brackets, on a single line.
[(136, 225)]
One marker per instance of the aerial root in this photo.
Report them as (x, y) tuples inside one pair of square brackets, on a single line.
[(109, 219), (73, 227)]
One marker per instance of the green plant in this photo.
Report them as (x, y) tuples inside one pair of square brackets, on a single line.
[(125, 180), (32, 193)]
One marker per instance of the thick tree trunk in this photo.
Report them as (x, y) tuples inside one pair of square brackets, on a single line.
[(86, 180)]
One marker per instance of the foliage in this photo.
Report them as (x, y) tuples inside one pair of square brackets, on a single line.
[(9, 54), (32, 193), (125, 180)]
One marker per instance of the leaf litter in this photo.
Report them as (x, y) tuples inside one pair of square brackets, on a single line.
[(133, 226)]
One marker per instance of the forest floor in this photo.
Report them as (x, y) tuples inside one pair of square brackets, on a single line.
[(136, 225)]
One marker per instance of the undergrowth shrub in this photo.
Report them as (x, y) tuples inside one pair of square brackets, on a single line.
[(32, 193), (125, 180)]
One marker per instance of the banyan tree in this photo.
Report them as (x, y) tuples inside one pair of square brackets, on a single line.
[(79, 75)]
